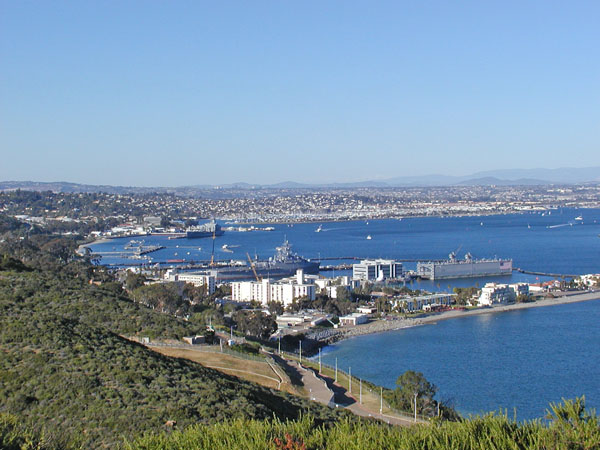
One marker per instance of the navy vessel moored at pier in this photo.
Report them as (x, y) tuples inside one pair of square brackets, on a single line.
[(466, 268), (283, 264)]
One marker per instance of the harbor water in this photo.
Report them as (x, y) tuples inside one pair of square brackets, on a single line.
[(522, 359), (518, 360), (549, 242)]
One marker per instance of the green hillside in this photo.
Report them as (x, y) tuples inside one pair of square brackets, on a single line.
[(570, 426), (64, 366)]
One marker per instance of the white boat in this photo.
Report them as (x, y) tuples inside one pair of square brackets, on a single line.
[(369, 237), (319, 228), (579, 218)]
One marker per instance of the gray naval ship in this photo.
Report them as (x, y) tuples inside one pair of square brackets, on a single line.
[(283, 264)]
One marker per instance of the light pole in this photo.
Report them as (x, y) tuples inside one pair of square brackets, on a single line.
[(350, 379), (360, 391), (300, 342), (279, 346), (336, 369), (381, 402), (319, 359), (416, 394)]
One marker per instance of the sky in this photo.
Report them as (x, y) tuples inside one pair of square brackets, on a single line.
[(173, 93)]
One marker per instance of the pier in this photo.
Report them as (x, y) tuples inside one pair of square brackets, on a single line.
[(357, 258), (150, 249), (334, 268)]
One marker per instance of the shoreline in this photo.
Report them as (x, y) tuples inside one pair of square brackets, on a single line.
[(383, 326), (482, 213)]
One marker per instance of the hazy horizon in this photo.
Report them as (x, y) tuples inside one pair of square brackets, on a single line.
[(189, 93), (567, 175)]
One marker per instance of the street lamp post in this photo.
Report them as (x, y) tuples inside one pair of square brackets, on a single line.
[(336, 369), (350, 379), (360, 391), (319, 359), (416, 394)]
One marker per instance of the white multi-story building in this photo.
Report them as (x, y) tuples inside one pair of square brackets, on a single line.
[(376, 269), (590, 280), (265, 291), (330, 285), (520, 289), (493, 293), (195, 278)]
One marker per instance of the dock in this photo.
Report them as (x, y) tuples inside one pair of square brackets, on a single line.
[(151, 248)]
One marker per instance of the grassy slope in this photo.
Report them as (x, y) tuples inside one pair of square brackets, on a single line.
[(569, 431), (63, 363)]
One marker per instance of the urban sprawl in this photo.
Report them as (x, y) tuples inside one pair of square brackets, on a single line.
[(366, 293)]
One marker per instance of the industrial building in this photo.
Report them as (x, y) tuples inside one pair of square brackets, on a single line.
[(353, 319)]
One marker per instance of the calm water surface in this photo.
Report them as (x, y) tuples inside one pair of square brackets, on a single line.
[(519, 359), (553, 243)]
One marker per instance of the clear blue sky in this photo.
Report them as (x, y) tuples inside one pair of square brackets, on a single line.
[(191, 92)]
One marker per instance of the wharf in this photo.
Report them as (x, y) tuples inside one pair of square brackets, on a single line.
[(338, 267), (358, 258), (149, 249)]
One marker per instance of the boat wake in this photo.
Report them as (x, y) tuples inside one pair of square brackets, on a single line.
[(560, 225)]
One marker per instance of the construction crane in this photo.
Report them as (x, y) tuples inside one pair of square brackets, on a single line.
[(259, 279), (212, 255)]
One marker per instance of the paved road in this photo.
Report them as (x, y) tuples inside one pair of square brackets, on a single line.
[(348, 401), (315, 386), (322, 389)]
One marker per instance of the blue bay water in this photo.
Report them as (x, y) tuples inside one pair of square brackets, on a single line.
[(520, 359), (569, 247)]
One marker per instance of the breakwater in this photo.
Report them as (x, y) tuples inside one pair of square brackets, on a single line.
[(545, 274), (330, 336)]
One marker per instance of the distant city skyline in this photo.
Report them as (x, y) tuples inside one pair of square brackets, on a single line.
[(136, 93)]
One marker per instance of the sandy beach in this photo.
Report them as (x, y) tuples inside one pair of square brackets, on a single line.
[(80, 250), (379, 326)]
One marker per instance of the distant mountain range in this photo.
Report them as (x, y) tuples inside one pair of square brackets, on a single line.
[(516, 177), (512, 177)]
